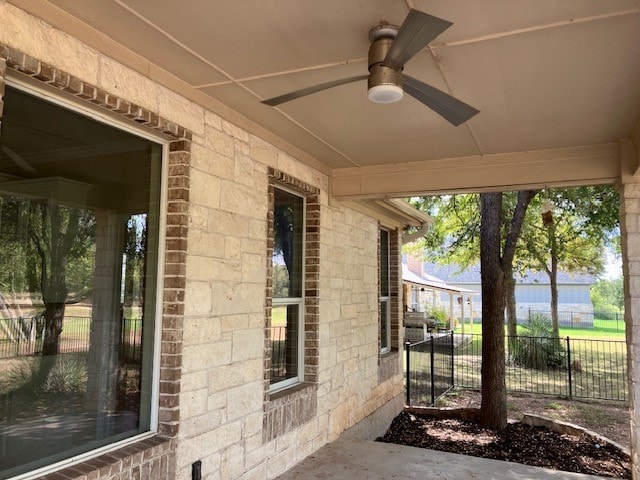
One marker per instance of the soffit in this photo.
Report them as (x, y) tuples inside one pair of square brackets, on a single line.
[(544, 74)]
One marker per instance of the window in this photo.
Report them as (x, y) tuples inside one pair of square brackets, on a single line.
[(79, 226), (287, 313), (385, 300)]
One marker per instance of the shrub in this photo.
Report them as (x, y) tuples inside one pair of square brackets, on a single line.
[(68, 376), (437, 316), (537, 348)]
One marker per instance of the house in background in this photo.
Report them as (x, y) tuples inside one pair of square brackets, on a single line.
[(533, 290), (423, 292)]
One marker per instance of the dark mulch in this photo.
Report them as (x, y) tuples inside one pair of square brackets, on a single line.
[(537, 446)]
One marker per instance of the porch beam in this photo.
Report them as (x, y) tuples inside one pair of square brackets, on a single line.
[(587, 165), (629, 161)]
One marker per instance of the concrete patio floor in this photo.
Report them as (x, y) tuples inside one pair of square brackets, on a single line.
[(349, 459)]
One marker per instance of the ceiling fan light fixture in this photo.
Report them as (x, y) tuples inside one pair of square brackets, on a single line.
[(391, 47), (386, 93)]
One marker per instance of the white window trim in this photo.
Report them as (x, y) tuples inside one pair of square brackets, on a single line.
[(49, 94), (300, 301)]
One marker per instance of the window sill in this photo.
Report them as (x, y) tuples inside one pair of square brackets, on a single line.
[(151, 451), (289, 390)]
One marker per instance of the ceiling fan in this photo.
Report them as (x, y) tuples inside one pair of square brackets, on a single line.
[(391, 47)]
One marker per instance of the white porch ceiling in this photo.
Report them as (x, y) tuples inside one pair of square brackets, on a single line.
[(545, 74)]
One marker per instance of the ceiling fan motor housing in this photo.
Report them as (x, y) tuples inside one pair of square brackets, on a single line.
[(384, 83)]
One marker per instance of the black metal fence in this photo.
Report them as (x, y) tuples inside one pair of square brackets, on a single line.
[(566, 367), (278, 354), (23, 336), (429, 369), (605, 321)]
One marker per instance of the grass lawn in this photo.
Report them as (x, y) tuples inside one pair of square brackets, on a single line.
[(605, 332), (597, 364), (279, 316), (598, 370)]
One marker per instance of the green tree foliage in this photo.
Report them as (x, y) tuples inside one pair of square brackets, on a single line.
[(41, 243), (80, 272), (455, 235), (568, 229), (585, 222), (608, 295), (135, 245), (57, 234)]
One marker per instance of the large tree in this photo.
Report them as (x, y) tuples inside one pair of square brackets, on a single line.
[(56, 235), (455, 236), (497, 251), (568, 230)]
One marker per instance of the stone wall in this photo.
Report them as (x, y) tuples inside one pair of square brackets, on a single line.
[(212, 380), (630, 234)]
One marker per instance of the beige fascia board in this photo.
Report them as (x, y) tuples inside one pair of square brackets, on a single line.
[(105, 45), (410, 212), (385, 217), (571, 166)]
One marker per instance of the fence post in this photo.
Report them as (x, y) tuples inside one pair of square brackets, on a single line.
[(407, 349), (452, 361), (18, 337), (433, 373), (569, 367)]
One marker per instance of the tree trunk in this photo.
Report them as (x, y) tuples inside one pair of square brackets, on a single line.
[(553, 279), (510, 299), (555, 327), (52, 244), (53, 318), (493, 412), (493, 267)]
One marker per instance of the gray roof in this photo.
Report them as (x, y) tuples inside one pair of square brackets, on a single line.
[(456, 274), (430, 281)]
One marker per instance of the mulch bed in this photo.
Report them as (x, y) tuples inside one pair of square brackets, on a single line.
[(520, 443)]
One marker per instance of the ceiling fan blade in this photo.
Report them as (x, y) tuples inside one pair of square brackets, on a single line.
[(309, 90), (17, 159), (415, 33), (452, 109)]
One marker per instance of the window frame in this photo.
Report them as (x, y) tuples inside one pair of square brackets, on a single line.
[(384, 301), (66, 101), (299, 301)]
